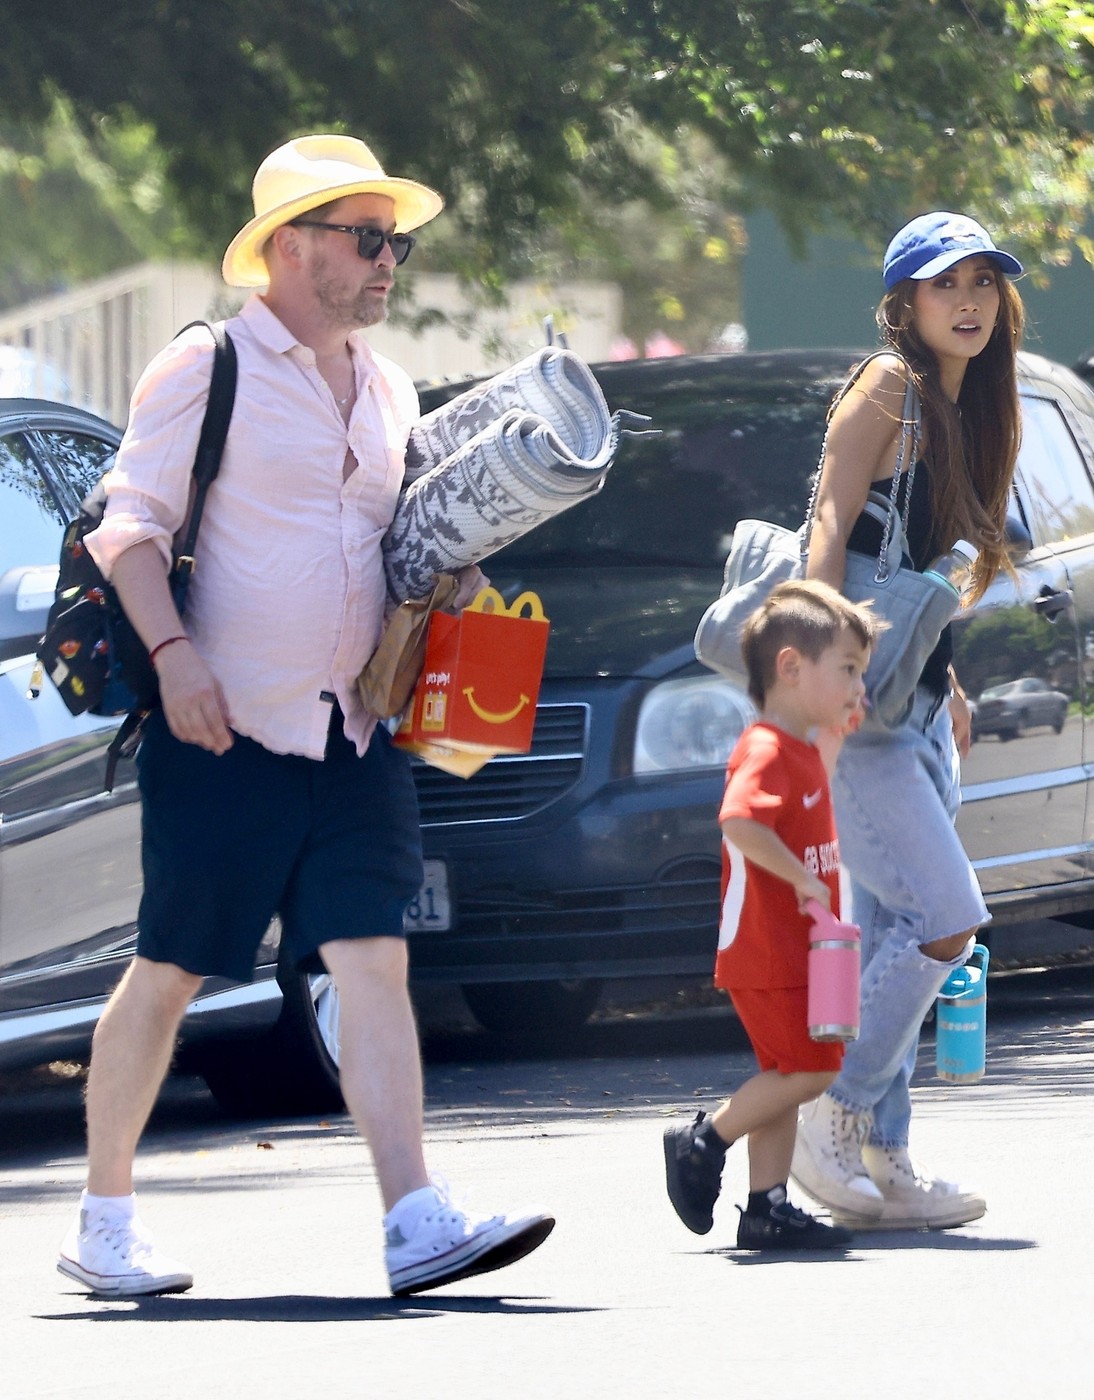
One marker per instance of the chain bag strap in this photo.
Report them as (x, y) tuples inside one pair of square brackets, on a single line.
[(882, 510), (916, 606)]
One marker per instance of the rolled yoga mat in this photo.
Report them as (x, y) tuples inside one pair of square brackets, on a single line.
[(495, 462)]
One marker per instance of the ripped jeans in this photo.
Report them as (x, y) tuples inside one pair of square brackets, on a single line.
[(896, 796)]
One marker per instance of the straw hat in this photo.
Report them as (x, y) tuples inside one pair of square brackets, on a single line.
[(305, 173)]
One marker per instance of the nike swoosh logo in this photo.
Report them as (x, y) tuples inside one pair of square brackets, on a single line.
[(811, 799)]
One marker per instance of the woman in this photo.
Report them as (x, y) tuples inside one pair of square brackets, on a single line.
[(953, 323)]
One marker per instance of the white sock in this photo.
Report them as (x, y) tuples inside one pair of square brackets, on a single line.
[(95, 1206)]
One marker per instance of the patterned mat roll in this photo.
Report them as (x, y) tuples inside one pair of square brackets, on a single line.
[(494, 463), (505, 481), (552, 383)]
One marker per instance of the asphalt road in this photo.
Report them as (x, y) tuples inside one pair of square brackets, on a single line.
[(280, 1222)]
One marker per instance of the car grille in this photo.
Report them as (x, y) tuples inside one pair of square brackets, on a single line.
[(511, 785), (682, 897)]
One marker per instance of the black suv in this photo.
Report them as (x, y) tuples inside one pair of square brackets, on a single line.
[(596, 855)]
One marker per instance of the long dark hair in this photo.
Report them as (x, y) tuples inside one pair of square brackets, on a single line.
[(972, 445)]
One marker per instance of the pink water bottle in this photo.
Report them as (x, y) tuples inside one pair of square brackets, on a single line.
[(833, 976)]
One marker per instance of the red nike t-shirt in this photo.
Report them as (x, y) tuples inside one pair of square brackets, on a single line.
[(773, 778)]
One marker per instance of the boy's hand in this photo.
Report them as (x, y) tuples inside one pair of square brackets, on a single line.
[(810, 887)]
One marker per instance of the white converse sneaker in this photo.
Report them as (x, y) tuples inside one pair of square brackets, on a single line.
[(913, 1198), (114, 1255), (828, 1159), (430, 1241)]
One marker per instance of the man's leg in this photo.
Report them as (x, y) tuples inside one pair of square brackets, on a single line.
[(380, 1063), (130, 1055), (429, 1241), (107, 1248)]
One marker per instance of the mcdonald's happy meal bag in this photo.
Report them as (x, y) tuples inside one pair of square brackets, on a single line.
[(476, 696)]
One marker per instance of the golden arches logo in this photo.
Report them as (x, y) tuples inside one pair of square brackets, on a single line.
[(527, 603)]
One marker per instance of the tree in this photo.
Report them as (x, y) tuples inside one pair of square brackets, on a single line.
[(863, 112), (675, 254), (75, 209)]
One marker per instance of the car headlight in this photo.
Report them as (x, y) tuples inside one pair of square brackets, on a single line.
[(690, 723)]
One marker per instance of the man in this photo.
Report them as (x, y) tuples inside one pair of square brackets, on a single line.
[(265, 785)]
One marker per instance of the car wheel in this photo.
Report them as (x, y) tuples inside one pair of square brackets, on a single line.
[(293, 1068), (1058, 722), (530, 1012)]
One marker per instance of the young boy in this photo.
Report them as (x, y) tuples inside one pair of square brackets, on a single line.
[(806, 649)]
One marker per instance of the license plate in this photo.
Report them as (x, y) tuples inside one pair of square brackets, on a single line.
[(430, 908)]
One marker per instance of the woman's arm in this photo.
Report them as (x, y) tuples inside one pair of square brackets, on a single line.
[(862, 443)]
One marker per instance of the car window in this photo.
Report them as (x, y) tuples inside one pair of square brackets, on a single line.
[(78, 458), (1058, 489), (31, 522)]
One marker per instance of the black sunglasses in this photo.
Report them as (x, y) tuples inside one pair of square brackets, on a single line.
[(370, 241)]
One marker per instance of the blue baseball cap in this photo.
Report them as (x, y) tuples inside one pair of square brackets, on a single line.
[(934, 242)]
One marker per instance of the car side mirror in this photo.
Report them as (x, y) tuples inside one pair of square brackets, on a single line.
[(1018, 538)]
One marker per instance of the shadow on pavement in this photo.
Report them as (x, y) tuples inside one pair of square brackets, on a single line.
[(877, 1243), (293, 1307)]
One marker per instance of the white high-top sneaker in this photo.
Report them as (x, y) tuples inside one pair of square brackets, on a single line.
[(914, 1198), (114, 1255), (430, 1241), (828, 1160)]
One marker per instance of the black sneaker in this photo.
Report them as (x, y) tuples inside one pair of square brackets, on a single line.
[(693, 1174), (784, 1226)]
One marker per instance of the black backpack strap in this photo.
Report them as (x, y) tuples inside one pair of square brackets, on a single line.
[(218, 411), (125, 743), (214, 434)]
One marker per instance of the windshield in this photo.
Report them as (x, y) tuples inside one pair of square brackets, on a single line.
[(673, 500)]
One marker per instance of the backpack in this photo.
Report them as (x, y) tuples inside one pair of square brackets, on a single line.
[(90, 650)]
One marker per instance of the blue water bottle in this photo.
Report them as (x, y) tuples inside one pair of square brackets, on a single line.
[(961, 1021)]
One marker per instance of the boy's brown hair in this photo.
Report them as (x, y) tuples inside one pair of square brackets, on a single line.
[(805, 614)]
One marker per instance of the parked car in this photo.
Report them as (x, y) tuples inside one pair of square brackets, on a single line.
[(595, 855), (1010, 709), (69, 856)]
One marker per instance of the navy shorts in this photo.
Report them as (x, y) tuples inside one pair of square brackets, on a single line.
[(228, 841)]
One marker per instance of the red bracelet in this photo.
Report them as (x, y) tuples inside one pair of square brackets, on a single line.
[(165, 643)]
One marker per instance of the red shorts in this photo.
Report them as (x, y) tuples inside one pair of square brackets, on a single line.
[(775, 1019)]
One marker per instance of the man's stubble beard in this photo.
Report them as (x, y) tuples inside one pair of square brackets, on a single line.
[(346, 313)]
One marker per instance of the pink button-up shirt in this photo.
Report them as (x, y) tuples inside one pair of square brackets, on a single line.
[(286, 603)]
